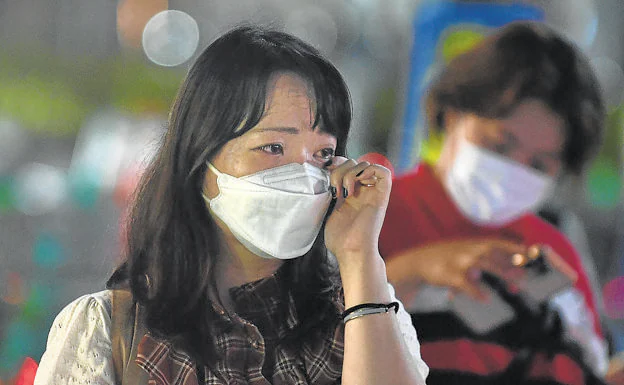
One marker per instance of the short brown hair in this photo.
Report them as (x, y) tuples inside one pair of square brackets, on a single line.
[(525, 60)]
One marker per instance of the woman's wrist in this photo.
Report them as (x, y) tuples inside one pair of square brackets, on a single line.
[(365, 282)]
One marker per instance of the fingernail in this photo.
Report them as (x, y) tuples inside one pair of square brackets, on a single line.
[(534, 252), (332, 189), (518, 260), (345, 193), (359, 173)]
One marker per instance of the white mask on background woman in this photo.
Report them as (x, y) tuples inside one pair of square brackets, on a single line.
[(491, 189), (275, 213)]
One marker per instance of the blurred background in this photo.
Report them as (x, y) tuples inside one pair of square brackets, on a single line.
[(85, 88)]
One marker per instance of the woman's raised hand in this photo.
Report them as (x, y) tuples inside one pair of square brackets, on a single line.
[(362, 191)]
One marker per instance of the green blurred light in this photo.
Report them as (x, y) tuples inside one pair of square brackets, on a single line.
[(40, 104), (34, 308), (140, 89), (604, 184), (7, 197)]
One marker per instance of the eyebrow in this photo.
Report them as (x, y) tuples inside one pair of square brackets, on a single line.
[(288, 130), (510, 137)]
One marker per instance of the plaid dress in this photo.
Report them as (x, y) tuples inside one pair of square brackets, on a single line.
[(251, 344)]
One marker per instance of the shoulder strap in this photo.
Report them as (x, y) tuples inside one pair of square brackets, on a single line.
[(126, 333)]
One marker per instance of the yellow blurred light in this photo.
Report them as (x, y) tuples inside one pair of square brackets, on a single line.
[(432, 147), (41, 104), (458, 42), (133, 15)]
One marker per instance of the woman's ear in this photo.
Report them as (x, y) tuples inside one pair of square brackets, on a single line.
[(448, 141), (449, 118)]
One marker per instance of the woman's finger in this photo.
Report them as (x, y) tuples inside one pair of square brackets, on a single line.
[(506, 247), (351, 176), (347, 175), (335, 162), (368, 177), (339, 167), (374, 176)]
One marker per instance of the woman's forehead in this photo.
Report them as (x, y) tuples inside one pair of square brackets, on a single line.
[(288, 87), (289, 101)]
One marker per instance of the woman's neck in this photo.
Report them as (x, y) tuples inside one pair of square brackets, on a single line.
[(239, 268), (236, 265)]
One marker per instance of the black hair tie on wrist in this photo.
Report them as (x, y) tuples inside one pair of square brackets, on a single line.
[(368, 308)]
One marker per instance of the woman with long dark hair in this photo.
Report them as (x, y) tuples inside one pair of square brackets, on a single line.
[(252, 246)]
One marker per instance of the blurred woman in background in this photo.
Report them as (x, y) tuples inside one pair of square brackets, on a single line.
[(517, 111)]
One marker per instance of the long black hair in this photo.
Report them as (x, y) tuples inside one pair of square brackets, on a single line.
[(172, 239), (525, 60)]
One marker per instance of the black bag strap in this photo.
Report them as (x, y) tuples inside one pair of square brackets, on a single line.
[(127, 330)]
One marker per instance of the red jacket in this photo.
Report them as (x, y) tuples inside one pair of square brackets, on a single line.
[(420, 212)]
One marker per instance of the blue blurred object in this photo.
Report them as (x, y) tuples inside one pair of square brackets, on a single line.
[(433, 19), (20, 340), (48, 252)]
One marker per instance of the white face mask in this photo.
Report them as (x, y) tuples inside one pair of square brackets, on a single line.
[(490, 189), (275, 213)]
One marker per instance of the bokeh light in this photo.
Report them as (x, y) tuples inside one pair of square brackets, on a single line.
[(17, 345), (126, 185), (170, 38), (132, 16), (7, 196), (35, 306), (39, 188), (613, 297), (611, 79), (26, 373), (431, 147), (24, 331), (14, 289), (225, 14), (97, 157), (48, 252), (347, 22), (578, 23), (604, 184), (387, 27), (459, 41), (41, 104), (12, 144), (314, 25)]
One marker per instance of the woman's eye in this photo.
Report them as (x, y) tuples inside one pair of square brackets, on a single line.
[(274, 149), (501, 148), (539, 166), (326, 153)]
